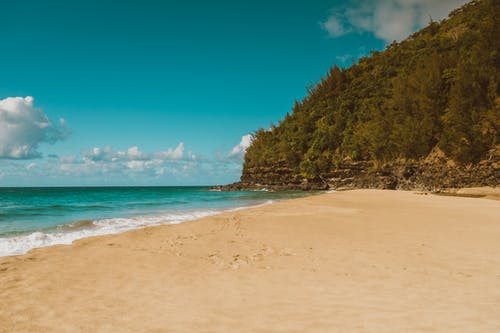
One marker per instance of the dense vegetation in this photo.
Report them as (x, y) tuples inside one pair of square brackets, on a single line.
[(439, 87)]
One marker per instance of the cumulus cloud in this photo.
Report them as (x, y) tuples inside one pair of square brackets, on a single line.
[(105, 165), (387, 19), (173, 154), (107, 154), (105, 160), (98, 154), (241, 148), (335, 25), (134, 153), (23, 128), (67, 159)]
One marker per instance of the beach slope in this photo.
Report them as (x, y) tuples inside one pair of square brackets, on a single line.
[(355, 261)]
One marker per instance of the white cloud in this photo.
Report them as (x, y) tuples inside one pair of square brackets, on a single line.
[(132, 160), (344, 58), (106, 154), (160, 171), (172, 154), (387, 19), (67, 159), (134, 153), (23, 128), (335, 26), (30, 166), (241, 148), (191, 156), (104, 165), (98, 154), (136, 165)]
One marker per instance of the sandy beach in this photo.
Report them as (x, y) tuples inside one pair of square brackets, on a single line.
[(354, 261)]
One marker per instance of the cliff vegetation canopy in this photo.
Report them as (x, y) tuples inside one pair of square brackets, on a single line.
[(439, 87)]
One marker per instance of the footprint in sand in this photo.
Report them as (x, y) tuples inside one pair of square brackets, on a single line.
[(286, 252)]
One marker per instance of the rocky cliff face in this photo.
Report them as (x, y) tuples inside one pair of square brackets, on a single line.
[(378, 123), (434, 173)]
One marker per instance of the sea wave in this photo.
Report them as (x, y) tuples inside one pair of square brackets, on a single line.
[(18, 211), (66, 234)]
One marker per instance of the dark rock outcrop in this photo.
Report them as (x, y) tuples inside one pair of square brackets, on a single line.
[(434, 173)]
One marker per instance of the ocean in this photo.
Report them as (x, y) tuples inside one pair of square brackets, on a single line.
[(37, 217)]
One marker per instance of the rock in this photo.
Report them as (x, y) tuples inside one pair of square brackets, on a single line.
[(434, 173)]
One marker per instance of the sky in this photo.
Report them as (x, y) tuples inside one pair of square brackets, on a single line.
[(169, 92)]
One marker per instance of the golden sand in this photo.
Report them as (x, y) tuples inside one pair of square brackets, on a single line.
[(356, 261)]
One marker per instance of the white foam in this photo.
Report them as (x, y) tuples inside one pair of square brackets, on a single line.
[(264, 189), (23, 243)]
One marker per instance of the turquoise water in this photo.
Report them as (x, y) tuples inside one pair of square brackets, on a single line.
[(37, 217)]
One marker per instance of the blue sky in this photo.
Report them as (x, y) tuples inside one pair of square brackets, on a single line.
[(164, 93)]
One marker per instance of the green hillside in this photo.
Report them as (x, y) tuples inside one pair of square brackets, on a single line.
[(439, 87)]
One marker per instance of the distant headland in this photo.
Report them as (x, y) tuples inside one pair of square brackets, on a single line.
[(423, 114)]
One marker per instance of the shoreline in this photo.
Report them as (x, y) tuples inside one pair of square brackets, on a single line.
[(68, 233), (359, 261), (492, 193)]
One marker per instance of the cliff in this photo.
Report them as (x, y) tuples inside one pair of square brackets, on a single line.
[(423, 114), (435, 173)]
